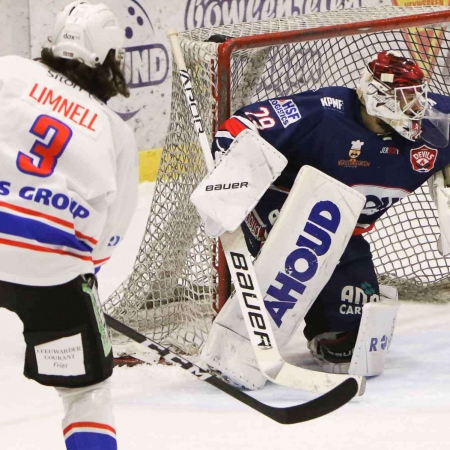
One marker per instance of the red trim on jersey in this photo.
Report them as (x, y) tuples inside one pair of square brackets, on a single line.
[(360, 230), (100, 261), (30, 212), (234, 126), (38, 248), (86, 238), (57, 220)]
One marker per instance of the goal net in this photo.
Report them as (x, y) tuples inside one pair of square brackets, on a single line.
[(179, 279)]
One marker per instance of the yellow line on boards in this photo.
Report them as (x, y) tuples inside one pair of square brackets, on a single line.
[(148, 164)]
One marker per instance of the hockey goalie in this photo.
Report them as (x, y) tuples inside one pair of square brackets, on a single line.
[(350, 154)]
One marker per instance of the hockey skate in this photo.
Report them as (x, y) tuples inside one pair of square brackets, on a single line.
[(333, 350)]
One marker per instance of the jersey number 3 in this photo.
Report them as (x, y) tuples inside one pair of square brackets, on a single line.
[(52, 139)]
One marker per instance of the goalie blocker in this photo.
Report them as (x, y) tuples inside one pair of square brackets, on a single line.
[(239, 180), (295, 263)]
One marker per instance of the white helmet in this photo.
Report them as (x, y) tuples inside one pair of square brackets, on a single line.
[(394, 89), (87, 33)]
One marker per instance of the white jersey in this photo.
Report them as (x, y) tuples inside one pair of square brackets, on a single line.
[(68, 176)]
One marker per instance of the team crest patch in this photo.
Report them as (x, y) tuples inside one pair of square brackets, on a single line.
[(423, 158)]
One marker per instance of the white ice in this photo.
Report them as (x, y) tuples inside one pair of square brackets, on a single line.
[(165, 408)]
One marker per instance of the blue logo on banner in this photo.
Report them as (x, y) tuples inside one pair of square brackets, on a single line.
[(146, 64)]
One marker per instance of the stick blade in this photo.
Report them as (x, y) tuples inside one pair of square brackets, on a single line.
[(320, 406)]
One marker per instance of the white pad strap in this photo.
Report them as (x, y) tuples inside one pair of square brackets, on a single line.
[(227, 195), (375, 334)]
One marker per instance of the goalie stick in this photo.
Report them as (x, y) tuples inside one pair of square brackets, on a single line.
[(270, 361), (313, 409)]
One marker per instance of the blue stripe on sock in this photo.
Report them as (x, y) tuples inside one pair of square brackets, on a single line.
[(90, 441)]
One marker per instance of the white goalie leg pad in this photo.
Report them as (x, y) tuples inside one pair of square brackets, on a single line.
[(232, 355), (375, 334), (226, 196), (296, 261)]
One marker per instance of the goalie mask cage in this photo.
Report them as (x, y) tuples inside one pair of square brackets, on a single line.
[(179, 278)]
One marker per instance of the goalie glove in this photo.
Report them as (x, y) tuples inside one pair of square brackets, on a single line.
[(233, 188), (440, 193)]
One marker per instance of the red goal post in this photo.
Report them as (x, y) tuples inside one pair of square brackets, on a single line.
[(179, 278)]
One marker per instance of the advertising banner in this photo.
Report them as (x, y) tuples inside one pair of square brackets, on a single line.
[(148, 58)]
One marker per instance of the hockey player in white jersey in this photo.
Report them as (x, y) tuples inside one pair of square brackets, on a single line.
[(68, 189)]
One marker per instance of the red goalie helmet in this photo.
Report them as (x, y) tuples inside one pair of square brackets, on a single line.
[(396, 71), (395, 89)]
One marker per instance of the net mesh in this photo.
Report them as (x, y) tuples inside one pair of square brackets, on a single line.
[(172, 291)]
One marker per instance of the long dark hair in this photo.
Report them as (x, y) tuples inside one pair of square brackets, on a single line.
[(104, 81)]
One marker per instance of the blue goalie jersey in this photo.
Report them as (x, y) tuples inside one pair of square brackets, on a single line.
[(324, 129)]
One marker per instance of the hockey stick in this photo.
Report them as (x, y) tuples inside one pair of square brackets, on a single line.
[(268, 356), (313, 409)]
